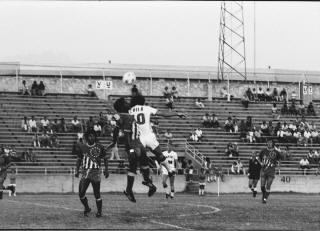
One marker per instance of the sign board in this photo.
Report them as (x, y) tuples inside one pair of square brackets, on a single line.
[(305, 89), (310, 90), (102, 84)]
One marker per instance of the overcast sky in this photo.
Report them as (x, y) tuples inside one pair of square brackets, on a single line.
[(164, 33)]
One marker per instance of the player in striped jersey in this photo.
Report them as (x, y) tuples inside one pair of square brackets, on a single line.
[(142, 114), (90, 155), (134, 149), (268, 157)]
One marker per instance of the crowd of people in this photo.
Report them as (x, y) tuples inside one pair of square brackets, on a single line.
[(35, 90), (171, 96), (26, 156)]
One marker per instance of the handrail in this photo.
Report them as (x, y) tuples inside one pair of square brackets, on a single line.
[(197, 156)]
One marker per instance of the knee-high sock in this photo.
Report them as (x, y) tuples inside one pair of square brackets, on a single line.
[(99, 204), (130, 181), (263, 190), (146, 174), (84, 201)]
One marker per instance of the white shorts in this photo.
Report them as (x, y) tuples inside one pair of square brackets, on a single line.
[(149, 140), (164, 171)]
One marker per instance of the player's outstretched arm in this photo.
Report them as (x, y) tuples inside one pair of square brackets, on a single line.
[(78, 163), (170, 114), (106, 169)]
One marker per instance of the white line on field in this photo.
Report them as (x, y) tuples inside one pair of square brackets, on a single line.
[(170, 225)]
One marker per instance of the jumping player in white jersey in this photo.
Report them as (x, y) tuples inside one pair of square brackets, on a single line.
[(142, 114), (172, 160)]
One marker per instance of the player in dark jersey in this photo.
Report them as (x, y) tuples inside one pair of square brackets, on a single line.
[(254, 173), (268, 157), (90, 155), (134, 149), (4, 165)]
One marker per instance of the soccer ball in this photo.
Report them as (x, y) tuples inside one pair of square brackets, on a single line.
[(129, 78)]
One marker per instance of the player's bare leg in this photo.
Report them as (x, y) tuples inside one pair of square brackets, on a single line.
[(83, 186), (263, 189), (171, 178)]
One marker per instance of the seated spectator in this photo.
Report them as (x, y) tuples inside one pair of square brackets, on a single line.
[(286, 153), (304, 163), (310, 110), (228, 125), (237, 167), (45, 140), (243, 130), (36, 140), (166, 92), (292, 109), (268, 95), (232, 150), (249, 94), (25, 89), (293, 96), (134, 91), (214, 121), (75, 125), (169, 102), (25, 124), (41, 88), (199, 104), (174, 93), (283, 95), (44, 124), (97, 129), (255, 94), (264, 128), (314, 136), (198, 133), (193, 137), (90, 124), (224, 93), (301, 108), (54, 126), (34, 88), (28, 155), (206, 121), (235, 122), (245, 101), (54, 141), (62, 127), (275, 95), (115, 153), (284, 109), (274, 111), (33, 125), (233, 168), (261, 94), (168, 135), (90, 91), (257, 135)]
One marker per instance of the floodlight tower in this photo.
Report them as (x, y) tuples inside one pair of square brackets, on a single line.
[(232, 52)]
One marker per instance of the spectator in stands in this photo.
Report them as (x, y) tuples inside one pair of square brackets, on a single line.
[(314, 136), (275, 95), (286, 153), (198, 133), (34, 88), (134, 91), (249, 94), (75, 125), (90, 124), (193, 137), (174, 93), (28, 155), (261, 94), (243, 130), (54, 141), (206, 121), (292, 109), (235, 123), (169, 102), (301, 108), (228, 125), (33, 125), (115, 152), (255, 94), (268, 95), (166, 92), (214, 121), (283, 95), (45, 140), (189, 171), (239, 167), (199, 104), (270, 128), (232, 150), (168, 135), (293, 96), (257, 136), (304, 163), (224, 92), (179, 167), (41, 88), (62, 127), (245, 100), (249, 124), (284, 109), (54, 126), (44, 124), (264, 128), (97, 129), (90, 91), (103, 123), (36, 140), (274, 112), (25, 89), (310, 110), (25, 124)]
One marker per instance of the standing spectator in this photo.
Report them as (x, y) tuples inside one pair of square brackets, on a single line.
[(254, 173), (34, 88), (90, 91), (41, 88), (283, 95), (62, 127), (235, 122), (166, 92), (25, 124), (179, 167), (206, 121), (75, 125), (304, 163), (44, 124), (97, 129), (25, 89), (264, 128), (257, 135), (228, 125), (174, 93), (134, 91), (33, 125), (245, 101), (208, 170), (189, 171), (224, 93), (310, 110), (115, 152), (199, 104), (36, 140)]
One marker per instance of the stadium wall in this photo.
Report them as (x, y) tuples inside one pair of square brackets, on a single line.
[(117, 182), (194, 88)]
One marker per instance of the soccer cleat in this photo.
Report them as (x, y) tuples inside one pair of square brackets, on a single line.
[(264, 200), (167, 195), (98, 215), (86, 212), (171, 196), (254, 193), (130, 196), (152, 190)]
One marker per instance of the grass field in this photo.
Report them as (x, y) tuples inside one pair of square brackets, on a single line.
[(227, 212)]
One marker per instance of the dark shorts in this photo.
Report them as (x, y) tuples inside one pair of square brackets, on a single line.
[(3, 176), (91, 174), (268, 173)]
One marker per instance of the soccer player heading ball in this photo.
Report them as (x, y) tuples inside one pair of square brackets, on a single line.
[(268, 158), (90, 156)]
